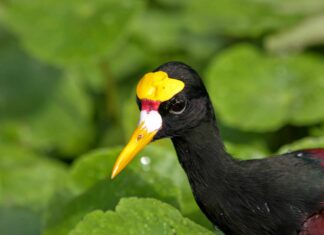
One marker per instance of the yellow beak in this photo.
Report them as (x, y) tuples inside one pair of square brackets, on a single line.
[(144, 133)]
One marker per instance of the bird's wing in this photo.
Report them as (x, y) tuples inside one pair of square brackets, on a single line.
[(316, 155), (314, 225), (315, 158)]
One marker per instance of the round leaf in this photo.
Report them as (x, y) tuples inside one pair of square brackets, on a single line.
[(256, 92), (138, 216)]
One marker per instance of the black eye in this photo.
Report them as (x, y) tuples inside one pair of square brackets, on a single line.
[(177, 106)]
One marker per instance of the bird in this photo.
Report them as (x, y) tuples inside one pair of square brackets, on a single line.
[(279, 195)]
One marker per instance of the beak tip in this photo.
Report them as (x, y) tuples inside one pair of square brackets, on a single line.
[(134, 145), (115, 172)]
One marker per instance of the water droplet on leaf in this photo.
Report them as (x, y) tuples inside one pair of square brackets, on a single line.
[(145, 160)]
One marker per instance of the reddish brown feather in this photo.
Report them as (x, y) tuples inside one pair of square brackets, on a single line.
[(314, 225), (317, 154)]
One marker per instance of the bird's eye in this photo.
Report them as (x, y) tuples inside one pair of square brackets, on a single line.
[(177, 106)]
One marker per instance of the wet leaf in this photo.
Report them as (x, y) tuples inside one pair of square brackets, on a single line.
[(93, 189), (138, 216), (160, 158)]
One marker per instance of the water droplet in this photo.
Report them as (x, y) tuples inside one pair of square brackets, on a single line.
[(145, 160)]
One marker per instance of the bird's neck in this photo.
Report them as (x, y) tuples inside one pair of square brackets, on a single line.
[(208, 167), (202, 154)]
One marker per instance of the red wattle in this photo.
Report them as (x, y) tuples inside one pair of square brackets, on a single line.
[(149, 105)]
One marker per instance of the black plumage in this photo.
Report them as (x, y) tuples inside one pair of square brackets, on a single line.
[(277, 195)]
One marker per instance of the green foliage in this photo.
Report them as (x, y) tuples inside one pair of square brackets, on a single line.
[(305, 143), (89, 182), (73, 31), (307, 33), (28, 182), (19, 220), (277, 85), (138, 216), (27, 179), (36, 105), (68, 72), (237, 17)]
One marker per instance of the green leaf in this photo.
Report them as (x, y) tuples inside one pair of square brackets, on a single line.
[(306, 143), (170, 40), (317, 131), (256, 92), (159, 158), (245, 152), (65, 122), (244, 145), (40, 108), (19, 220), (93, 189), (242, 79), (131, 57), (28, 179), (130, 114), (138, 216), (92, 167), (167, 36), (307, 33), (237, 17), (71, 32), (303, 7), (307, 79), (29, 81)]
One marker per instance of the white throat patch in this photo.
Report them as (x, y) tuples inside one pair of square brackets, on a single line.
[(151, 120)]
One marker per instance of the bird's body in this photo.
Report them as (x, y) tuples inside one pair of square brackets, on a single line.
[(279, 195)]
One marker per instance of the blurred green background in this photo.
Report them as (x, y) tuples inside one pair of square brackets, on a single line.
[(68, 71)]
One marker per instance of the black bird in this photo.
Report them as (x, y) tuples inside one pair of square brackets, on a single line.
[(280, 195)]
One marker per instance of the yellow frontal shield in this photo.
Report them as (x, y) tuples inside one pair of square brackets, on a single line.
[(158, 86)]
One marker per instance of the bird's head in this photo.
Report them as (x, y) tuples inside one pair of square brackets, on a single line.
[(172, 99)]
